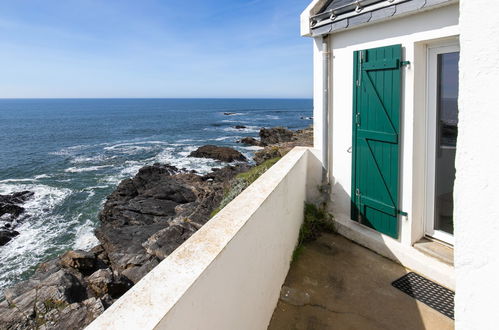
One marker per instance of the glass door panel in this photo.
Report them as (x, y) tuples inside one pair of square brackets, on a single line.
[(441, 132), (447, 120)]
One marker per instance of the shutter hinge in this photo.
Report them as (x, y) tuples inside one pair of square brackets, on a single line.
[(405, 63)]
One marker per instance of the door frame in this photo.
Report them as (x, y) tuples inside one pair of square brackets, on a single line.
[(431, 136)]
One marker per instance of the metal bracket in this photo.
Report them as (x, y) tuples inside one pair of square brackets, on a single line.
[(405, 63), (402, 213)]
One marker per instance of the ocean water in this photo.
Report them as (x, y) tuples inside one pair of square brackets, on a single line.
[(73, 152)]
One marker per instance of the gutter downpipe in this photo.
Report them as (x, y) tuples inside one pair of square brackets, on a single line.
[(325, 115)]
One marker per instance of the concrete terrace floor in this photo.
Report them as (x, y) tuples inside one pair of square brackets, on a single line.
[(337, 284)]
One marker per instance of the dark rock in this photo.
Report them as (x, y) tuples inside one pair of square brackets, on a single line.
[(6, 236), (28, 302), (10, 211), (268, 153), (73, 316), (275, 135), (124, 244), (17, 197), (83, 261), (239, 127), (229, 113), (250, 141), (165, 241), (299, 138), (224, 154), (150, 197), (226, 173), (136, 273), (104, 282)]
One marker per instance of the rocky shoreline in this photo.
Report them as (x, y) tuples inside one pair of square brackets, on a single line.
[(11, 214), (145, 219)]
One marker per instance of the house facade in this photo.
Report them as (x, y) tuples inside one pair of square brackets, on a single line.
[(397, 85)]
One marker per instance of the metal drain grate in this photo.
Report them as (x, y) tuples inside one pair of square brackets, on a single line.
[(428, 292)]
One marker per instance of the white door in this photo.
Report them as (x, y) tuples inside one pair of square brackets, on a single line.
[(442, 129)]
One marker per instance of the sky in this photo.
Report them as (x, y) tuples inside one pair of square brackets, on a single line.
[(153, 48)]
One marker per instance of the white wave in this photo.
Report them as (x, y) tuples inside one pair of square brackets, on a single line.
[(181, 160), (35, 178), (91, 159), (130, 149), (272, 117), (130, 169), (84, 237), (247, 129), (95, 187), (85, 169), (227, 113), (38, 233), (44, 196), (252, 148), (224, 138), (137, 143), (41, 176), (185, 140), (70, 150), (16, 180)]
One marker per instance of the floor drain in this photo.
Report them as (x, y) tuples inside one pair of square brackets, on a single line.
[(430, 293)]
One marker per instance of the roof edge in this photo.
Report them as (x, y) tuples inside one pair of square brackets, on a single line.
[(313, 8)]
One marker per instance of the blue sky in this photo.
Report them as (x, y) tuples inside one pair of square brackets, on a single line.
[(153, 48)]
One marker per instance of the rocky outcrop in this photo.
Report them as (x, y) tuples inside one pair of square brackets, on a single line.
[(224, 154), (250, 141), (11, 212), (287, 140), (275, 135), (144, 220)]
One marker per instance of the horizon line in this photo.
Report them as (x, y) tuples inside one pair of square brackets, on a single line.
[(155, 98)]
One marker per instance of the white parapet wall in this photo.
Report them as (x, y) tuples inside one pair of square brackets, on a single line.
[(228, 275)]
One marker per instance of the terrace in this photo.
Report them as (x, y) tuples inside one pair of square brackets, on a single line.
[(229, 274)]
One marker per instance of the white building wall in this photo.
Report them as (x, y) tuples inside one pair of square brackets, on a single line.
[(414, 33), (476, 192)]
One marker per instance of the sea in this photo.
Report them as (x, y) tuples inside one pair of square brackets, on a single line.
[(72, 153)]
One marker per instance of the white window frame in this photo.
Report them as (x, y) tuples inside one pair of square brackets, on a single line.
[(431, 134)]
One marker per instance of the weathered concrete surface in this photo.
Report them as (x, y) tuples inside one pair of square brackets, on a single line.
[(337, 284)]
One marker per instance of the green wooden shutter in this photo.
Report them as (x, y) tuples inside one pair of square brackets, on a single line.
[(376, 131)]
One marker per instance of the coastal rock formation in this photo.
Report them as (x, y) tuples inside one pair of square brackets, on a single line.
[(10, 214), (224, 154), (275, 135), (286, 140), (239, 127), (144, 220), (250, 141)]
